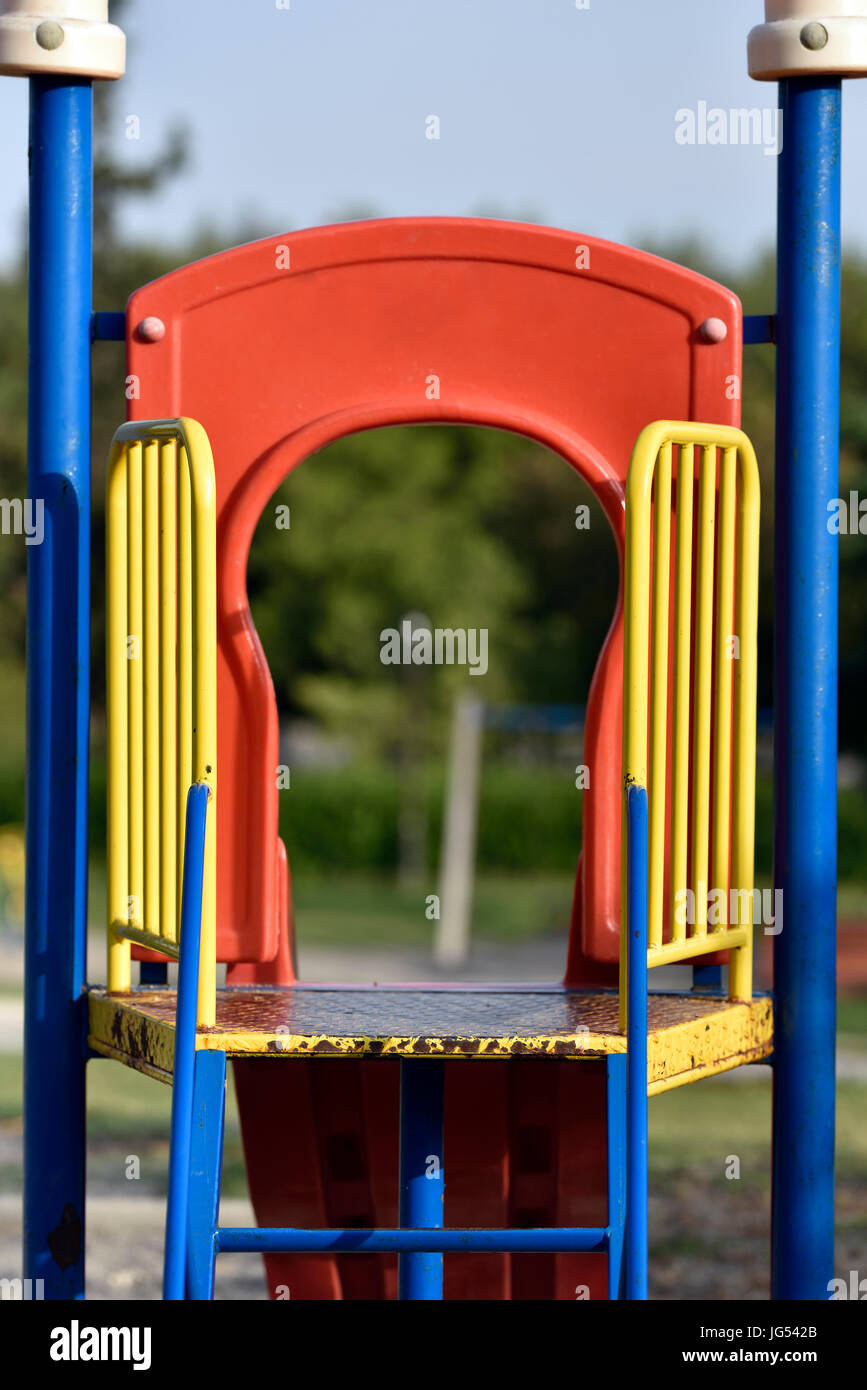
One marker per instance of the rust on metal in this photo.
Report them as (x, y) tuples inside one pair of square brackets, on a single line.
[(689, 1036)]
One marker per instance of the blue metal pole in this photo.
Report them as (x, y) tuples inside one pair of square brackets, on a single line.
[(469, 1241), (422, 1176), (206, 1168), (805, 685), (58, 683), (615, 1093), (184, 1073), (636, 1044)]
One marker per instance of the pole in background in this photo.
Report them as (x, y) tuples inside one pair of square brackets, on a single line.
[(460, 822)]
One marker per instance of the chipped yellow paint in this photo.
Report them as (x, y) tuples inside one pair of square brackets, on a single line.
[(573, 1046), (138, 1029), (119, 1028), (685, 1052), (134, 1063)]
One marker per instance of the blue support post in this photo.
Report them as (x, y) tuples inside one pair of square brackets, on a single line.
[(707, 977), (184, 1072), (206, 1166), (615, 1095), (636, 1043), (58, 683), (422, 1175), (805, 687)]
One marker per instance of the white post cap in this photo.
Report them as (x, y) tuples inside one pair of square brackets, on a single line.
[(60, 36), (804, 37)]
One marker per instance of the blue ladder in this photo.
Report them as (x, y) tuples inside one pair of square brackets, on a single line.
[(194, 1238)]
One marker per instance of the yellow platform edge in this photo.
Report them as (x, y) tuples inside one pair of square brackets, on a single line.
[(718, 1041)]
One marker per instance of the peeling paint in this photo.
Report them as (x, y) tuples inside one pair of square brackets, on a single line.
[(689, 1036)]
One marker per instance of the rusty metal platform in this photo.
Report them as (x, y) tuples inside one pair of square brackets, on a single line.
[(689, 1036)]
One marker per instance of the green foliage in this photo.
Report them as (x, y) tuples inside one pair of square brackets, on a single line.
[(473, 529), (529, 819)]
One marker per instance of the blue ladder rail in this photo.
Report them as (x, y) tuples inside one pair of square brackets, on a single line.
[(193, 1238), (184, 1072), (274, 1240), (636, 1043)]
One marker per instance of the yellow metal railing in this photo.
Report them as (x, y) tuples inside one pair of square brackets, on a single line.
[(689, 688), (161, 673)]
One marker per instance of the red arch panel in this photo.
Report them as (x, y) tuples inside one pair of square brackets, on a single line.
[(284, 345)]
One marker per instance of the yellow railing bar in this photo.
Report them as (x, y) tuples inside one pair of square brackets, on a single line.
[(169, 914), (161, 686), (636, 582), (184, 670), (659, 694), (702, 676), (117, 798), (205, 741), (134, 911), (673, 951), (724, 658), (146, 938), (682, 647), (744, 772), (731, 557), (151, 687)]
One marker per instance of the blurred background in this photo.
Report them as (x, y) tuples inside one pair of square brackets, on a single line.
[(244, 119)]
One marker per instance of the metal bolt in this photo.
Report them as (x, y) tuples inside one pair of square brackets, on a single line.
[(151, 330), (814, 35), (713, 331), (49, 34)]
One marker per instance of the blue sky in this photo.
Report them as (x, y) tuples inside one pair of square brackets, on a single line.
[(547, 111)]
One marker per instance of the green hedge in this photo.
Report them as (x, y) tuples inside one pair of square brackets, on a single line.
[(349, 819)]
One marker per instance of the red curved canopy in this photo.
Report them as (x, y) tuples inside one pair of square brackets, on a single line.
[(283, 345)]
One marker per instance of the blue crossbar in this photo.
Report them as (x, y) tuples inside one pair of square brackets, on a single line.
[(274, 1240)]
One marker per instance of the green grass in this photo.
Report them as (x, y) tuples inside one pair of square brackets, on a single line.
[(12, 698), (11, 1082), (695, 1128), (852, 900), (127, 1113), (363, 910), (852, 1019)]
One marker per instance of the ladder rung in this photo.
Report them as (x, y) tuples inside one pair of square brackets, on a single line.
[(297, 1240)]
